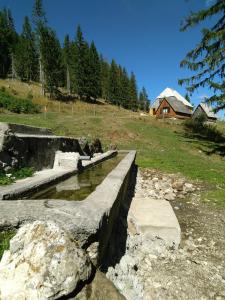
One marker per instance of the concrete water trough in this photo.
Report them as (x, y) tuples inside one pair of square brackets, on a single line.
[(89, 220), (95, 217)]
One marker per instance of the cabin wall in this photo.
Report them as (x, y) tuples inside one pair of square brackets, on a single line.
[(160, 115), (171, 113)]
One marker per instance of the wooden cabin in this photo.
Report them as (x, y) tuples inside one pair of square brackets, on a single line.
[(183, 110), (204, 109), (170, 107)]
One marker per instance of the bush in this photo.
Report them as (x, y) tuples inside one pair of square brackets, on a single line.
[(199, 126), (17, 105), (6, 179)]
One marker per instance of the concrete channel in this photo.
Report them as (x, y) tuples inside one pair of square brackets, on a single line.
[(96, 223)]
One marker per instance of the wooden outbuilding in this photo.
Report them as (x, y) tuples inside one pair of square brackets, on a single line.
[(170, 107), (207, 111)]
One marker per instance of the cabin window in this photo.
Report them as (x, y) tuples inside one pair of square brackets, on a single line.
[(165, 110)]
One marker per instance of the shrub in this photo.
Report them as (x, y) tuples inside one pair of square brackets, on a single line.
[(17, 105), (207, 131), (6, 179)]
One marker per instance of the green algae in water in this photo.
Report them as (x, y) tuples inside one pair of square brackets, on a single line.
[(78, 187), (5, 237)]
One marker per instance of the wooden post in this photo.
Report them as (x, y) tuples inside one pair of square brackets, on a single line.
[(45, 111)]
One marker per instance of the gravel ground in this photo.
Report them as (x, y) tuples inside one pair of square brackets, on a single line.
[(197, 269), (151, 271)]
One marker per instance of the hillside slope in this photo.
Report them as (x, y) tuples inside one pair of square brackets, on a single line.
[(160, 145)]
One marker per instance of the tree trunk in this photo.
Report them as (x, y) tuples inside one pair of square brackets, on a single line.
[(41, 75), (13, 68), (68, 80)]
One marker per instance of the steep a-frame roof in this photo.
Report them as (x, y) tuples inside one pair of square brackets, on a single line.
[(168, 92)]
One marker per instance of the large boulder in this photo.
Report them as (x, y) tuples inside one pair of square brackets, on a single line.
[(43, 262)]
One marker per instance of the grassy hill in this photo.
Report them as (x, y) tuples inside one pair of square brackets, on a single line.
[(160, 145)]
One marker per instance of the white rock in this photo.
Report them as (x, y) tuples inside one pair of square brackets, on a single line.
[(188, 187), (43, 263)]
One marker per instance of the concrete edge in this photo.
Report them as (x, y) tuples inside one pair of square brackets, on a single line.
[(30, 185)]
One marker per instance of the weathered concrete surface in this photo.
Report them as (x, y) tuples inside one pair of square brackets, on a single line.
[(45, 178), (29, 146), (66, 160), (43, 262), (156, 218), (24, 129), (89, 220)]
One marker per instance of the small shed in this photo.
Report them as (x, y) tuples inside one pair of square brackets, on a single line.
[(170, 107), (204, 109)]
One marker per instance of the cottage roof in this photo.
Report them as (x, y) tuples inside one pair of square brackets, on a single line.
[(168, 92), (208, 110), (177, 105)]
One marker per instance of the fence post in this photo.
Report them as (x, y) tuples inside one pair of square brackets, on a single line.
[(45, 111)]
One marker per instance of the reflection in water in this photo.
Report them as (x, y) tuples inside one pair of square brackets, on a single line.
[(78, 187)]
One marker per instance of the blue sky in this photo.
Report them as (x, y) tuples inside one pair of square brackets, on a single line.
[(142, 35)]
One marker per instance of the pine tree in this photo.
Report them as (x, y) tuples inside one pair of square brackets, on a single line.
[(143, 100), (26, 59), (187, 97), (82, 64), (67, 56), (133, 103), (8, 41), (73, 67), (105, 69), (51, 60), (125, 89), (94, 80), (39, 17), (113, 83), (40, 24), (207, 58)]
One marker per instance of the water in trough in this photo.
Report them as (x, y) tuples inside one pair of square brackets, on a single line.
[(78, 187)]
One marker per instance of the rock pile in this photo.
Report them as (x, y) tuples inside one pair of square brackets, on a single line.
[(155, 186)]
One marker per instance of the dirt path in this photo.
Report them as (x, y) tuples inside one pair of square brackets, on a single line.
[(197, 269)]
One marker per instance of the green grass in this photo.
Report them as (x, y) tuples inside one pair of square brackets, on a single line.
[(5, 237), (6, 179), (160, 145)]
